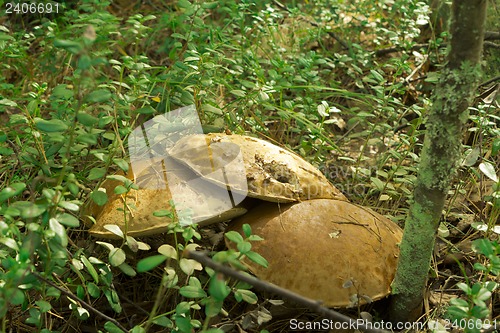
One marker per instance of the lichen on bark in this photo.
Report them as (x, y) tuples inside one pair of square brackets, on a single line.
[(439, 157)]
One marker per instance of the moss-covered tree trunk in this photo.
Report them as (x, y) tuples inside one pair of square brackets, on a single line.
[(439, 157)]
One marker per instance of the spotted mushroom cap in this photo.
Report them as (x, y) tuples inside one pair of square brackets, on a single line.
[(269, 172), (328, 250)]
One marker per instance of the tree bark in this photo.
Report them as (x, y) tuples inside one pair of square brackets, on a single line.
[(439, 158)]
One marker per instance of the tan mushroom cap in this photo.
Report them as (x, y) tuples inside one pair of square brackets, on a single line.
[(329, 250), (204, 202), (272, 173)]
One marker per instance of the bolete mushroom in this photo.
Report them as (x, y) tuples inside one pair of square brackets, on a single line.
[(329, 250), (270, 172), (203, 202)]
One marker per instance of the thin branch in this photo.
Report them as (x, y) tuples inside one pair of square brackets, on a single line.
[(496, 78), (491, 35), (75, 298), (287, 294)]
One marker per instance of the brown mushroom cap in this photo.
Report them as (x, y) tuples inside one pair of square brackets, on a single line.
[(329, 250), (205, 202), (271, 172)]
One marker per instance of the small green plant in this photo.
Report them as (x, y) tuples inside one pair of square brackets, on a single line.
[(472, 312), (206, 292)]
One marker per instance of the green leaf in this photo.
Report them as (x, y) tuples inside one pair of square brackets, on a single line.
[(113, 300), (188, 266), (53, 292), (93, 289), (254, 238), (12, 190), (183, 324), (50, 126), (61, 92), (471, 157), (489, 171), (484, 246), (244, 247), (87, 138), (192, 292), (257, 258), (164, 212), (28, 209), (238, 93), (378, 183), (69, 205), (245, 295), (10, 243), (127, 269), (234, 236), (90, 268), (113, 228), (59, 230), (86, 119), (212, 307), (122, 164), (96, 173), (119, 178), (84, 62), (98, 96), (107, 245), (112, 328), (211, 109), (68, 220), (217, 288), (35, 317), (495, 147), (99, 197), (483, 294), (68, 45), (464, 287), (120, 189), (146, 110), (6, 151), (480, 267), (139, 329), (149, 263), (44, 306), (168, 251), (17, 298), (117, 257), (247, 230), (163, 321), (210, 5), (377, 76), (132, 243)]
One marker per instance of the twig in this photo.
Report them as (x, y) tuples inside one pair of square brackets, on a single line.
[(287, 294), (496, 78), (84, 304), (491, 35)]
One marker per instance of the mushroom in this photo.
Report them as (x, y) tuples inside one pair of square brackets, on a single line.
[(253, 167), (199, 201), (329, 250), (210, 176)]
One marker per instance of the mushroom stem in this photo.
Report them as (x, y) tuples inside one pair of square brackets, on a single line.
[(287, 294)]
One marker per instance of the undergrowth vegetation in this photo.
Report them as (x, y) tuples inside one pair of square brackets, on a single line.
[(344, 84)]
